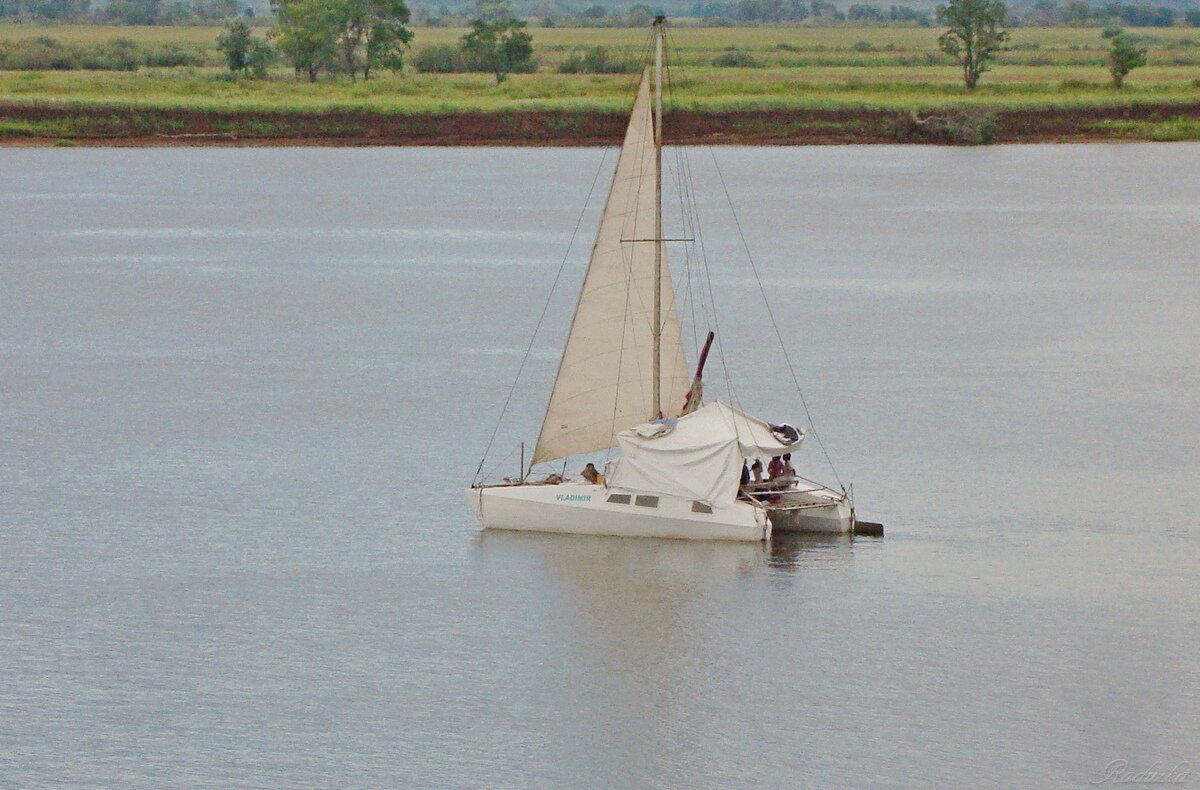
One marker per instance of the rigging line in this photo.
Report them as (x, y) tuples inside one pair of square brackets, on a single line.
[(688, 197), (501, 463), (612, 427), (771, 314), (688, 255), (688, 250), (689, 264), (545, 308), (712, 298), (682, 185)]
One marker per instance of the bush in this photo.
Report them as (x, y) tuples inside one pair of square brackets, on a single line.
[(960, 127), (119, 54), (47, 54), (451, 59), (171, 55), (440, 59), (595, 61), (863, 46), (36, 54), (259, 58), (736, 58)]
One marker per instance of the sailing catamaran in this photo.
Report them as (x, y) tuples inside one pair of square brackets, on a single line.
[(623, 382)]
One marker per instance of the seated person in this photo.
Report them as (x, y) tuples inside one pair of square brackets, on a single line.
[(775, 468), (592, 475)]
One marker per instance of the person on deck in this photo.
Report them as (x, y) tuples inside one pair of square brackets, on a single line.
[(788, 470), (592, 475), (756, 469), (745, 474), (775, 468)]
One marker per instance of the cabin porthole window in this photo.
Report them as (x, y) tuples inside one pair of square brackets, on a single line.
[(646, 501), (700, 507), (619, 499)]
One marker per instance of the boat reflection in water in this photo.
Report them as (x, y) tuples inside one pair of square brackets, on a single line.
[(611, 566), (643, 638), (792, 551)]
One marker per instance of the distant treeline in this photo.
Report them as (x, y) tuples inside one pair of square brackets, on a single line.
[(1078, 13), (706, 12), (712, 13), (801, 10), (125, 12)]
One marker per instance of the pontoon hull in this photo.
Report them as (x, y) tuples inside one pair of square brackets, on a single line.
[(833, 519), (822, 511), (581, 509)]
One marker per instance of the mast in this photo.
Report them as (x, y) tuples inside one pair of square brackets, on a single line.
[(660, 23)]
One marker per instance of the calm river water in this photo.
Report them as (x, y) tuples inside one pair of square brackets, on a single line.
[(241, 391)]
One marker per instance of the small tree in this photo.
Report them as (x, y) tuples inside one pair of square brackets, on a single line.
[(977, 32), (306, 34), (236, 42), (1123, 57), (370, 34), (500, 47)]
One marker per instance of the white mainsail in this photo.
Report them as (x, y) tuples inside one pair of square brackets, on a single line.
[(605, 380)]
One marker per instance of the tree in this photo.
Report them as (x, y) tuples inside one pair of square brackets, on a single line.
[(371, 33), (132, 12), (492, 10), (977, 32), (306, 34), (235, 42), (1124, 55), (639, 16), (861, 12), (500, 47), (243, 52)]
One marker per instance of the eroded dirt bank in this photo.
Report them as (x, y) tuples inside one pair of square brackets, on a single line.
[(45, 124)]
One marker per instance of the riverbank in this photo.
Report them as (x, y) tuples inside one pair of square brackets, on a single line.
[(114, 124)]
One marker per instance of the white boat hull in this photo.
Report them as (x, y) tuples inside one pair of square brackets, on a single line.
[(817, 510), (583, 509), (832, 519)]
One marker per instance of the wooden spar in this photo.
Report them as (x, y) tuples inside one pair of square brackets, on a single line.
[(708, 341), (697, 381)]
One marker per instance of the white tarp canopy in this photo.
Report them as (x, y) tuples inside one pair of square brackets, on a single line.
[(700, 458)]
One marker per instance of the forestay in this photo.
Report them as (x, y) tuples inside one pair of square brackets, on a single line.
[(699, 458), (605, 378)]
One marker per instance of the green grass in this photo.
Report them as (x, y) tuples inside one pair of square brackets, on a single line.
[(1173, 130), (802, 68), (701, 89)]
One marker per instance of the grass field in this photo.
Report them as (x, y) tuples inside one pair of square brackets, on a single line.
[(799, 68)]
